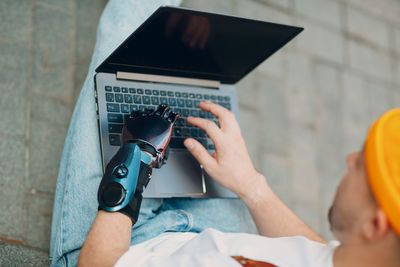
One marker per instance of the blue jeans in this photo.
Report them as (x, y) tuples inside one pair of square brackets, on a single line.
[(75, 203)]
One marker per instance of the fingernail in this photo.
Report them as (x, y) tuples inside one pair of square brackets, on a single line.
[(189, 144)]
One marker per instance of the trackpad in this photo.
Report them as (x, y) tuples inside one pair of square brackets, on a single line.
[(182, 175)]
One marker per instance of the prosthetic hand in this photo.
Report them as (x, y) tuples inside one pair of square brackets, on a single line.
[(145, 138)]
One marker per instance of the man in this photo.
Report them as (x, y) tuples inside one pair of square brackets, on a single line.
[(368, 231)]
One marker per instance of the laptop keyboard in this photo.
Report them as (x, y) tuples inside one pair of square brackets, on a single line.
[(121, 101)]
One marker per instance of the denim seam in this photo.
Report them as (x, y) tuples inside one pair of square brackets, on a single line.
[(60, 247), (189, 218)]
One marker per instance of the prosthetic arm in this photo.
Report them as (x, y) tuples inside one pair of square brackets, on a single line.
[(145, 137)]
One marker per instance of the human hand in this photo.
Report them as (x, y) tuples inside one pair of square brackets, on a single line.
[(230, 164)]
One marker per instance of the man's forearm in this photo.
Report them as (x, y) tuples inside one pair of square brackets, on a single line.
[(271, 216), (107, 240)]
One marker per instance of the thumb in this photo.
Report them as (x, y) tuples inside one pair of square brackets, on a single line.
[(200, 153)]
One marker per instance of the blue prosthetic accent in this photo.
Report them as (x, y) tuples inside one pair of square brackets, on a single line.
[(124, 170)]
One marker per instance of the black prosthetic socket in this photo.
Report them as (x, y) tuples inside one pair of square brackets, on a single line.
[(133, 208)]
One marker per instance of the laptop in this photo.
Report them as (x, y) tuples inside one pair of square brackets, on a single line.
[(180, 57)]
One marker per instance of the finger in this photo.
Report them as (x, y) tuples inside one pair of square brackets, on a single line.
[(200, 153), (225, 118), (208, 126), (199, 33), (171, 24), (189, 31), (161, 110), (196, 38)]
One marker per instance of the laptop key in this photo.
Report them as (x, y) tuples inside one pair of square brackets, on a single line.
[(132, 90), (178, 94), (185, 112), (206, 97), (142, 108), (117, 89), (147, 92), (108, 88), (226, 105), (185, 95), (114, 139), (124, 90), (202, 133), (177, 142), (202, 114), (146, 99), (172, 102), (194, 112), (128, 98), (112, 107), (125, 108), (164, 100), (139, 91), (178, 110), (194, 132), (156, 92), (227, 98), (220, 98), (189, 103), (163, 93), (203, 141), (191, 95), (170, 93), (199, 96), (137, 99), (115, 128), (109, 97), (114, 117), (197, 103), (181, 103), (155, 100), (177, 131), (133, 107), (126, 116), (180, 122), (119, 98), (185, 132)]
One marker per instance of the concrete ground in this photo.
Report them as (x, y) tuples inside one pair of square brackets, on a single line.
[(301, 111)]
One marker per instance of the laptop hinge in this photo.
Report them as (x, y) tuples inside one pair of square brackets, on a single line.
[(166, 79)]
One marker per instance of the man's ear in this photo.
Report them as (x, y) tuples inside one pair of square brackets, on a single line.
[(376, 227)]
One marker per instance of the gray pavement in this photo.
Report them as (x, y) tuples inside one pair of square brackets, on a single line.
[(301, 111)]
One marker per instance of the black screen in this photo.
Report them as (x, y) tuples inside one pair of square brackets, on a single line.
[(194, 44)]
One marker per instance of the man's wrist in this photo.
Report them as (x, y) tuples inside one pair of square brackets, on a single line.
[(122, 219), (256, 192)]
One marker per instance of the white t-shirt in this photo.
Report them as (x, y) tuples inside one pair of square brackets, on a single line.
[(214, 248)]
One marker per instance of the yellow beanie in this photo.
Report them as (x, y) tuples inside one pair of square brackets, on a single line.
[(382, 157)]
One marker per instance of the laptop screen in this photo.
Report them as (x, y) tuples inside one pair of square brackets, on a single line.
[(187, 43)]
